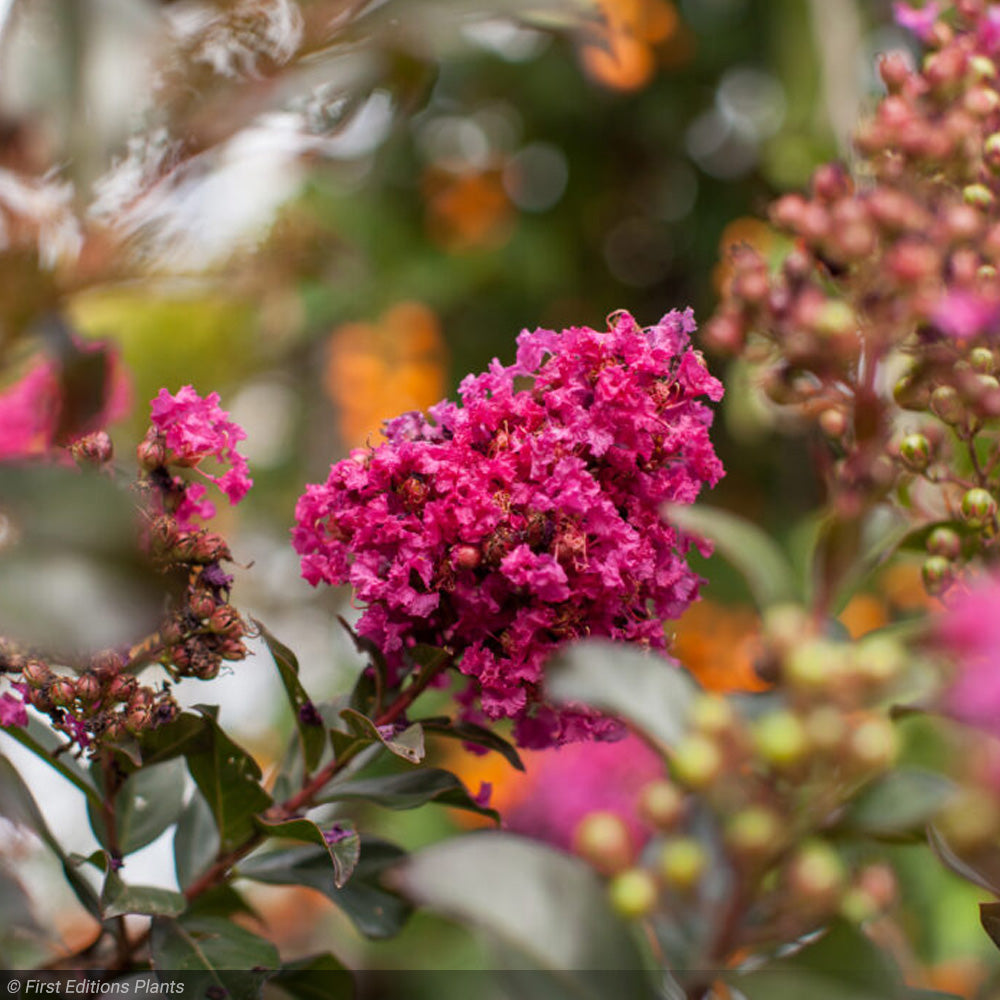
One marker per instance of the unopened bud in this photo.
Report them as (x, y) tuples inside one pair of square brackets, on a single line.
[(466, 556), (152, 451), (94, 449), (712, 714), (603, 840), (833, 422), (937, 575), (62, 691), (697, 761), (978, 195), (944, 541), (754, 832), (633, 893), (88, 688), (825, 727), (781, 739), (226, 620), (835, 318), (36, 673), (945, 403), (661, 804), (879, 659), (814, 665), (816, 874), (915, 451), (978, 508), (874, 744), (682, 863), (201, 604)]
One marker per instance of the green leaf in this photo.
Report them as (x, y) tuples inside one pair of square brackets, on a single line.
[(16, 913), (469, 732), (229, 779), (312, 733), (117, 899), (547, 906), (196, 840), (375, 911), (900, 803), (209, 949), (649, 691), (147, 804), (221, 901), (370, 684), (344, 848), (188, 733), (18, 806), (410, 790), (318, 977), (409, 744), (767, 570), (843, 964)]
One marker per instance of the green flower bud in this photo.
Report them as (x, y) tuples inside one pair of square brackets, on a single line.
[(661, 804), (712, 714), (978, 195), (825, 727), (781, 739), (697, 761), (915, 451), (879, 659), (874, 745), (817, 874), (603, 840), (946, 404), (937, 574), (835, 318), (814, 665), (633, 893), (943, 541), (911, 393), (682, 863), (754, 832), (978, 508), (982, 360)]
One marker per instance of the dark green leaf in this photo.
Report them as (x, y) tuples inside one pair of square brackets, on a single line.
[(17, 805), (409, 744), (117, 899), (375, 911), (188, 733), (319, 977), (428, 657), (410, 790), (649, 691), (989, 917), (196, 840), (308, 724), (767, 570), (229, 779), (147, 803), (341, 843), (469, 732), (547, 906), (209, 949), (900, 803), (221, 901)]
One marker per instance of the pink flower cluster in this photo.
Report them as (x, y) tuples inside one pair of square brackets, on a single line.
[(528, 515), (970, 631), (30, 408), (567, 784), (194, 429)]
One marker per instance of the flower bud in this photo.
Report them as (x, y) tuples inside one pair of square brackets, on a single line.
[(894, 68), (36, 674), (879, 660), (911, 393), (633, 893), (835, 318), (201, 604), (661, 804), (152, 451), (816, 875), (94, 449), (978, 195), (915, 451), (833, 422), (937, 574), (226, 620), (122, 688), (874, 745), (945, 403), (944, 541), (88, 688), (978, 508), (982, 360), (697, 761), (603, 840), (62, 691), (814, 665), (781, 739), (712, 714), (825, 728), (682, 863), (466, 556), (754, 832)]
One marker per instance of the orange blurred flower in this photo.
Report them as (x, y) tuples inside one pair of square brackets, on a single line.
[(718, 643), (467, 210), (378, 370), (619, 52)]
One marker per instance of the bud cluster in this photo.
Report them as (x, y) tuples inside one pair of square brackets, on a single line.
[(880, 323), (772, 785)]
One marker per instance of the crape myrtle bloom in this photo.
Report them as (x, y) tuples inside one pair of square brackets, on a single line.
[(186, 429), (526, 515), (970, 631)]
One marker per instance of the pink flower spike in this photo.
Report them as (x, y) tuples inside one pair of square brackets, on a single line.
[(12, 711), (921, 21)]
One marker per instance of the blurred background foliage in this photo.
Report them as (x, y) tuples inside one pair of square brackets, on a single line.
[(330, 211)]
